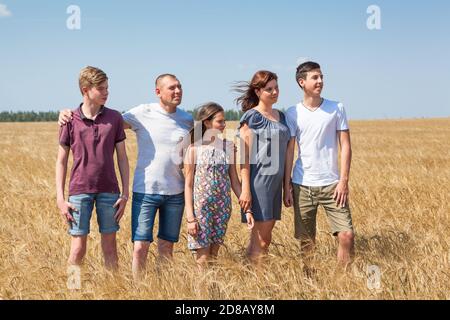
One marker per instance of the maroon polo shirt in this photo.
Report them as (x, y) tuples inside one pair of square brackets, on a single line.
[(93, 143)]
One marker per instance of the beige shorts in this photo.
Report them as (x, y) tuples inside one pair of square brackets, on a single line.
[(306, 202)]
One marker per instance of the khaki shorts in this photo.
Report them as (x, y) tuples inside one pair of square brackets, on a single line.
[(306, 202)]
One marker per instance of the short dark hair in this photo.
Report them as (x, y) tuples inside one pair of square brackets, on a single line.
[(162, 76), (304, 68)]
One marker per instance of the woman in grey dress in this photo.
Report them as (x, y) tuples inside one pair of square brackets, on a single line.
[(264, 138)]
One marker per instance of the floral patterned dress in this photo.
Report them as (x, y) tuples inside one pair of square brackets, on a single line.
[(212, 194)]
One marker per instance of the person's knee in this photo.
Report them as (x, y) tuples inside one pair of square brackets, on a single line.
[(264, 243), (346, 238), (78, 252), (165, 247), (140, 249), (214, 250), (109, 242), (307, 242), (110, 250)]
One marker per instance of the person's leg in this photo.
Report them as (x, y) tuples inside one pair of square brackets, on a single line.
[(341, 224), (202, 256), (143, 210), (261, 237), (108, 227), (109, 248), (80, 229), (170, 216), (140, 252), (165, 249), (305, 213), (214, 250), (77, 250), (346, 247)]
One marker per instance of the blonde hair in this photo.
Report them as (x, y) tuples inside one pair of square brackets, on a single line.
[(91, 77)]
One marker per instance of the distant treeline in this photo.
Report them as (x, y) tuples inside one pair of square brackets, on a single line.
[(230, 115), (41, 116), (28, 116)]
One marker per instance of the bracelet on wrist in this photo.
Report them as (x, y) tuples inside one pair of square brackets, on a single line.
[(124, 197), (195, 220)]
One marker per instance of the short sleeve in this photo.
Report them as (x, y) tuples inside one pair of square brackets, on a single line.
[(130, 117), (120, 133), (245, 119), (291, 121), (341, 118), (253, 119), (64, 135)]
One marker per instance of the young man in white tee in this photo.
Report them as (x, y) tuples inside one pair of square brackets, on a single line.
[(319, 126)]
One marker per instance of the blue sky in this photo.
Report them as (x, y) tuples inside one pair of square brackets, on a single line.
[(400, 71)]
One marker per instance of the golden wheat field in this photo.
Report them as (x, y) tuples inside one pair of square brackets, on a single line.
[(399, 196)]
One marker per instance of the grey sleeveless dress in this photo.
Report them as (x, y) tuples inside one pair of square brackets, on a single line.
[(267, 157)]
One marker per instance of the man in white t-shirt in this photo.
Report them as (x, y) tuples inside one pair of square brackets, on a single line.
[(158, 179), (319, 126), (158, 184)]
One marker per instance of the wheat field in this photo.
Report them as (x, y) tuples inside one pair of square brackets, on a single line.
[(399, 196)]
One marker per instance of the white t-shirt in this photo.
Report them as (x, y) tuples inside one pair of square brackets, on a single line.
[(317, 140), (159, 133)]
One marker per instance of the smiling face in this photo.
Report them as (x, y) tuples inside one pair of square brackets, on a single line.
[(97, 94), (269, 94), (169, 91), (217, 122), (313, 84)]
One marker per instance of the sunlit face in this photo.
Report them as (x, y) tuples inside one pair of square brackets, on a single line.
[(313, 84), (269, 94), (169, 91), (98, 94), (217, 122)]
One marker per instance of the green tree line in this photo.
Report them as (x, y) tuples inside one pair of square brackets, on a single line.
[(230, 115), (28, 116), (42, 116)]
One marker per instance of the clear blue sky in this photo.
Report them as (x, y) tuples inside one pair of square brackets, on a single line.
[(400, 71)]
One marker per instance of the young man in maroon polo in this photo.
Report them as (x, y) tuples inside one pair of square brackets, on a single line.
[(93, 135)]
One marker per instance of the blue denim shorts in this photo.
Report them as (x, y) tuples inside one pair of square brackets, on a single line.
[(103, 206), (143, 213)]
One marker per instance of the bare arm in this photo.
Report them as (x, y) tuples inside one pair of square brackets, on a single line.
[(61, 171), (246, 198), (189, 171), (235, 183), (342, 190), (124, 168), (288, 171)]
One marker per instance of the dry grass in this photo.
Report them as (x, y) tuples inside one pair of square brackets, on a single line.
[(400, 186)]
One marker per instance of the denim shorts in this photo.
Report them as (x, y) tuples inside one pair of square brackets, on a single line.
[(143, 213), (103, 206)]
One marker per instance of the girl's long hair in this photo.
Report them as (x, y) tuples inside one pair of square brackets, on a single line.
[(206, 111), (248, 98)]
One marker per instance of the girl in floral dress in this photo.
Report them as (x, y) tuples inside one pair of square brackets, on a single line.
[(210, 174)]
